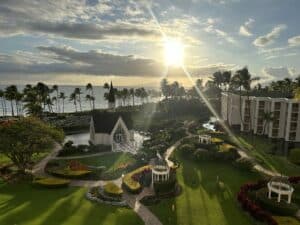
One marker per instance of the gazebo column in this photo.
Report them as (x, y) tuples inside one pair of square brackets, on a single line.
[(289, 198), (279, 197), (270, 194)]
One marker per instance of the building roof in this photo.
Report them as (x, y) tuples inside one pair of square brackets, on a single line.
[(104, 122)]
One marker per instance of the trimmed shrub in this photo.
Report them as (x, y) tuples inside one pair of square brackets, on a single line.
[(111, 189), (68, 173), (51, 182), (131, 180)]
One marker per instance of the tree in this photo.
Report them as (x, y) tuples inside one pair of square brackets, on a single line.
[(78, 93), (132, 93), (243, 79), (55, 88), (165, 89), (89, 88), (268, 118), (21, 139), (217, 78), (88, 98), (62, 97), (10, 95), (199, 83), (73, 98), (3, 102), (32, 101), (106, 86)]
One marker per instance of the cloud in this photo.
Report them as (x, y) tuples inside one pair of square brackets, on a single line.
[(294, 41), (276, 73), (70, 19), (270, 37), (244, 29), (219, 33)]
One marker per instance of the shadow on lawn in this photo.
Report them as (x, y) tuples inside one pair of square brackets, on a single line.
[(190, 175)]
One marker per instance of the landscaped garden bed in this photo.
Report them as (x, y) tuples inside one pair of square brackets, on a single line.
[(51, 182)]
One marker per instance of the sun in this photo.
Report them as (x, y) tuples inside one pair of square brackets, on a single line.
[(174, 52)]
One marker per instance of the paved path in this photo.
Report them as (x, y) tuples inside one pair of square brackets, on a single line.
[(38, 169), (81, 156), (258, 167), (146, 215)]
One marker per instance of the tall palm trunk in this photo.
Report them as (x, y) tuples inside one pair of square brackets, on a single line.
[(12, 108), (79, 100), (63, 105)]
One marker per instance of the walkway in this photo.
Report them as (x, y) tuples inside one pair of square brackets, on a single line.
[(146, 215), (38, 169), (80, 156)]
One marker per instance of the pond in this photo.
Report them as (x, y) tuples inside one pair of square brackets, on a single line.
[(83, 138)]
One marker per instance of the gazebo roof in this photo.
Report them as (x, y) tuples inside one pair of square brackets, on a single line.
[(281, 179)]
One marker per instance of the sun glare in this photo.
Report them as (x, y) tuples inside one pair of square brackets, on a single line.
[(174, 52)]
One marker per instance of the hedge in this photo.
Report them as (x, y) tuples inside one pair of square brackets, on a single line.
[(52, 182), (68, 173), (130, 182), (111, 189)]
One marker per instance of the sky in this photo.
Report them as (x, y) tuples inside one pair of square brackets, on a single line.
[(76, 42)]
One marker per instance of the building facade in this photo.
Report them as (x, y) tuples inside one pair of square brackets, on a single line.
[(277, 118), (112, 129)]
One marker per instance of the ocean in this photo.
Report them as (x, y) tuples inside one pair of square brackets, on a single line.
[(100, 102)]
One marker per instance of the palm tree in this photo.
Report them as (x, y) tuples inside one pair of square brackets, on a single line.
[(226, 79), (49, 104), (106, 86), (78, 92), (32, 101), (73, 98), (18, 99), (218, 78), (10, 95), (268, 118), (132, 92), (165, 88), (3, 103), (243, 79), (89, 99), (89, 88), (62, 97), (199, 83), (55, 88)]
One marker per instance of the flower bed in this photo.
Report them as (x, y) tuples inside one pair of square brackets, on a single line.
[(111, 189), (97, 194), (131, 180), (250, 205), (51, 182)]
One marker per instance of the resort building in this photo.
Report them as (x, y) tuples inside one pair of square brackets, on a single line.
[(277, 118), (114, 129)]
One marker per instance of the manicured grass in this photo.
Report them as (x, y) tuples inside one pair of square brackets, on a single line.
[(23, 204), (115, 163), (260, 149), (201, 201), (282, 220)]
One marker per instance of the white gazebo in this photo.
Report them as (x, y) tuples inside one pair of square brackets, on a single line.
[(205, 139), (160, 170), (280, 186)]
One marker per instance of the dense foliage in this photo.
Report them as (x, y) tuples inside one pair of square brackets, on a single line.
[(22, 138)]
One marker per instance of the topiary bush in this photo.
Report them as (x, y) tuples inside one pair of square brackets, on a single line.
[(111, 189), (51, 182)]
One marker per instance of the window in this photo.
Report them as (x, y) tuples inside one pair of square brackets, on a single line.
[(277, 105), (119, 135)]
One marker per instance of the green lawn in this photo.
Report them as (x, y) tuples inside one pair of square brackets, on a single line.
[(115, 163), (22, 204), (261, 150), (201, 201)]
